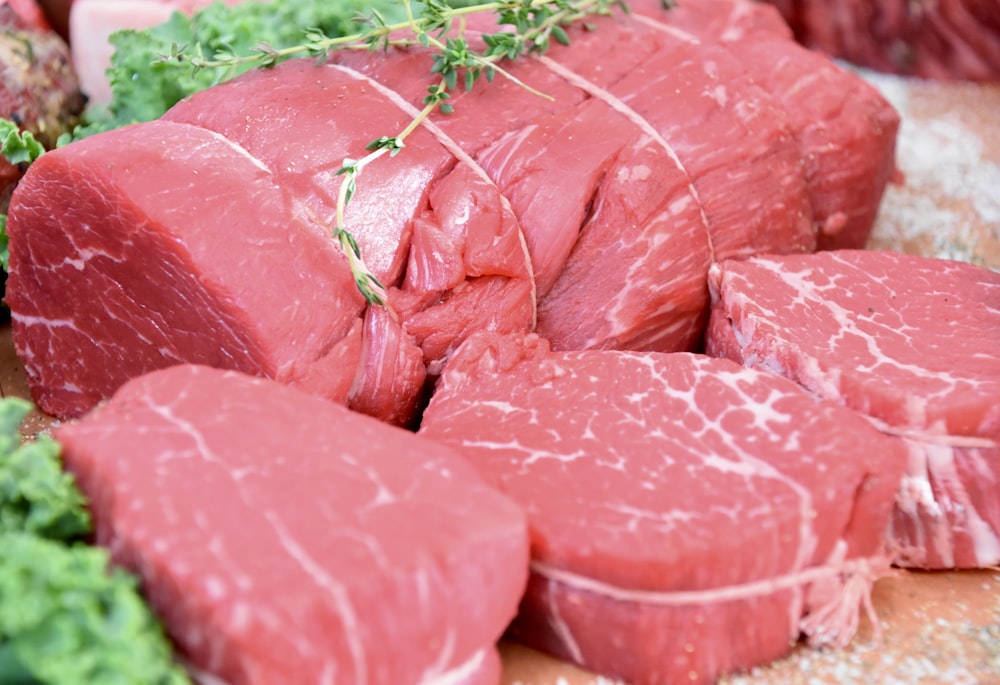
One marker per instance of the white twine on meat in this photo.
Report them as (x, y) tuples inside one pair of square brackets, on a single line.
[(833, 621)]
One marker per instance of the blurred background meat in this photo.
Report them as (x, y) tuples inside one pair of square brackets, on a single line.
[(937, 39), (38, 88)]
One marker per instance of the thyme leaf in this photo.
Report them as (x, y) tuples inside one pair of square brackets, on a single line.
[(528, 27)]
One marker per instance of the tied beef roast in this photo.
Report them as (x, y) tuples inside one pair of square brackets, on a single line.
[(592, 217), (909, 342), (688, 517), (284, 539)]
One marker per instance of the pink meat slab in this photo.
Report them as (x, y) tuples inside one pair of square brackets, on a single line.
[(164, 243), (428, 221), (285, 539), (688, 517), (845, 129), (910, 342)]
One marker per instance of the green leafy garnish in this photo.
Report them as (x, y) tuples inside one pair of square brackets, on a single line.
[(36, 495), (150, 71), (16, 146), (66, 616), (4, 243)]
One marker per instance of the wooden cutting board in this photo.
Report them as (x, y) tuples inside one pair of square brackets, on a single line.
[(938, 628)]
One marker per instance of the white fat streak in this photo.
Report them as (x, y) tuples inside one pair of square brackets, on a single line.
[(337, 591), (932, 479), (239, 149), (934, 435), (312, 568), (461, 673), (461, 155), (619, 106), (748, 465), (559, 625), (668, 29)]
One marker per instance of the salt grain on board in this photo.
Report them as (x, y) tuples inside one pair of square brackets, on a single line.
[(948, 204)]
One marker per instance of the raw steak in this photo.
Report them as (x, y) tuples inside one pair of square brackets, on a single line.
[(115, 270), (688, 517), (950, 39), (284, 539), (909, 342)]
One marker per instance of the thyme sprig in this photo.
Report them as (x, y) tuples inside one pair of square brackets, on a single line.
[(532, 26)]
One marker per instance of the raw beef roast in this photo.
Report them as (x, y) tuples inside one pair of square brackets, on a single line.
[(909, 342), (284, 539), (688, 517), (594, 216), (951, 39)]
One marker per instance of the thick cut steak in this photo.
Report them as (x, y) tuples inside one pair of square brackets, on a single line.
[(285, 539), (164, 243), (688, 517), (910, 342)]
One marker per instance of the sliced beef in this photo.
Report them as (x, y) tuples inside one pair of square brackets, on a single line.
[(845, 129), (284, 539), (688, 517), (947, 39), (909, 342), (164, 243)]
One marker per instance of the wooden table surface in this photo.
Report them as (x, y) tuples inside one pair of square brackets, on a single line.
[(938, 628)]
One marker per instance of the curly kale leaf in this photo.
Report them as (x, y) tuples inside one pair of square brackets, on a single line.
[(146, 81), (36, 495), (66, 616)]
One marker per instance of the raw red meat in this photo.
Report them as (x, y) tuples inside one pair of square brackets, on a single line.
[(603, 207), (284, 539), (437, 195), (844, 128), (939, 39), (910, 342), (629, 228), (688, 517), (115, 271)]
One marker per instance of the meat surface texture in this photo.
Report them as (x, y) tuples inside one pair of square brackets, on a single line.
[(952, 39), (908, 342), (671, 140), (703, 515), (126, 275), (284, 539)]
